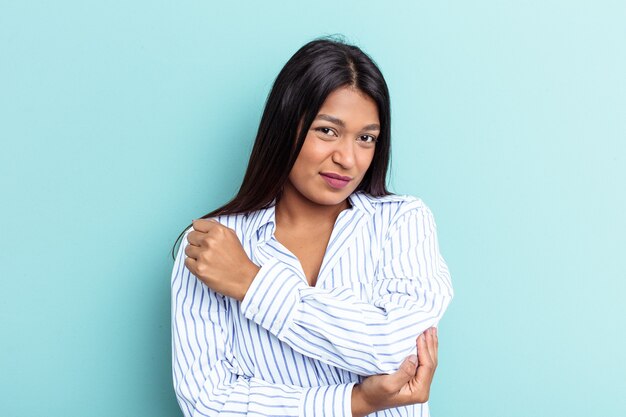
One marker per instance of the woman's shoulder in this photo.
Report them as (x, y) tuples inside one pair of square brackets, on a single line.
[(394, 210), (393, 199), (234, 221), (395, 204)]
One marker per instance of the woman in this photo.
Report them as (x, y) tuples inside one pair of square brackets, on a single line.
[(311, 291)]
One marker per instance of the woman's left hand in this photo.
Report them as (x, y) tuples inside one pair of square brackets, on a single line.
[(216, 257)]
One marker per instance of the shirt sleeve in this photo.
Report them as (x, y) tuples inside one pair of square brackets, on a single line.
[(364, 335), (207, 379)]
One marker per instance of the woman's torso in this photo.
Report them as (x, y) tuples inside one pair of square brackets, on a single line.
[(350, 260)]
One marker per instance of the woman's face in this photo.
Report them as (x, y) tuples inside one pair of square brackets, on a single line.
[(338, 148)]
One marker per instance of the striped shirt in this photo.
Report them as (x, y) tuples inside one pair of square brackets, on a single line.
[(291, 349)]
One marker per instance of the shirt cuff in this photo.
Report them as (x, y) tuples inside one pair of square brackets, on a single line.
[(272, 297), (328, 400)]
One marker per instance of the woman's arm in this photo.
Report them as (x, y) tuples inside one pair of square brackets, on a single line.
[(410, 294), (205, 373), (410, 384)]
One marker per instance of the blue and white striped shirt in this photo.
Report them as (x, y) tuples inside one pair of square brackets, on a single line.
[(290, 349)]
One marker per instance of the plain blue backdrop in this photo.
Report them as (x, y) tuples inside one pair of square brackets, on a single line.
[(120, 122)]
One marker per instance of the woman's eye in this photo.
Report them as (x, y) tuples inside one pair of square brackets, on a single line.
[(326, 130), (368, 139)]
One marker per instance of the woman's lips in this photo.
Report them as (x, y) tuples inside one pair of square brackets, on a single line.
[(335, 182)]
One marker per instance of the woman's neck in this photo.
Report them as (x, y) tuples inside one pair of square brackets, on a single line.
[(295, 210)]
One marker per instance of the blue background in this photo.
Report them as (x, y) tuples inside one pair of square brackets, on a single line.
[(123, 121)]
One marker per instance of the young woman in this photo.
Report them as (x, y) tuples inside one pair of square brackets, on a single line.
[(311, 292)]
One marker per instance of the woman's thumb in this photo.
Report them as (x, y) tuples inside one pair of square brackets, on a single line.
[(406, 371)]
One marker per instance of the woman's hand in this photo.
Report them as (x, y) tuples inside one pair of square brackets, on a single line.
[(408, 385), (216, 257)]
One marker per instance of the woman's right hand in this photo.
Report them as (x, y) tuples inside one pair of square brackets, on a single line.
[(410, 384)]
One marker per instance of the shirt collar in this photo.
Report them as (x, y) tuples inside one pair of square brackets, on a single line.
[(261, 218)]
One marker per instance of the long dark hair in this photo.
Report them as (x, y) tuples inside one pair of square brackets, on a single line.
[(311, 74)]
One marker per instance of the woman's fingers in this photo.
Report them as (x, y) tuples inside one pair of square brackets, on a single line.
[(431, 343), (402, 376), (378, 392), (195, 237), (423, 352), (434, 347), (205, 225), (410, 384), (420, 388), (193, 251)]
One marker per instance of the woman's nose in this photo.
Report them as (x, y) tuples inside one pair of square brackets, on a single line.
[(344, 153)]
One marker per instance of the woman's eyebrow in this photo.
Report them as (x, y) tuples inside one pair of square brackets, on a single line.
[(339, 122), (373, 126)]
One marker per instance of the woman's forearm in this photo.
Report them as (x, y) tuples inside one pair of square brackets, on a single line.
[(360, 407)]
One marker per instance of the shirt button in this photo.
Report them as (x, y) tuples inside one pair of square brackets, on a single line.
[(253, 309)]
